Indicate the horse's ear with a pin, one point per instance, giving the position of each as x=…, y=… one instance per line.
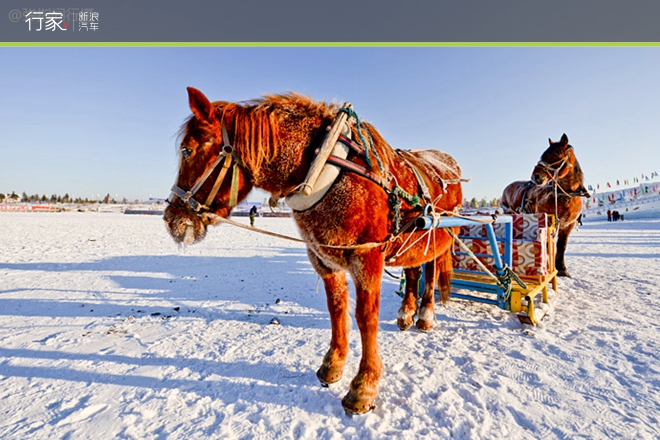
x=564, y=139
x=550, y=141
x=200, y=105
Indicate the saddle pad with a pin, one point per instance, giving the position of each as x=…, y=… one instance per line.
x=436, y=164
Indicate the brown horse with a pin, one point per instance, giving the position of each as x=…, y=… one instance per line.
x=556, y=187
x=270, y=144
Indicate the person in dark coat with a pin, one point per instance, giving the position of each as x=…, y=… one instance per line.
x=609, y=215
x=253, y=214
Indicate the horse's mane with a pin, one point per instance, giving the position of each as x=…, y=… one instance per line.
x=255, y=125
x=579, y=174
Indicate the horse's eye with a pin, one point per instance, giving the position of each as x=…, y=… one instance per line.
x=186, y=152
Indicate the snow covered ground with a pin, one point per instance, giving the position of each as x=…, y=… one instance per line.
x=108, y=331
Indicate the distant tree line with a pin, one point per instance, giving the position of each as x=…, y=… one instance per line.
x=54, y=198
x=483, y=203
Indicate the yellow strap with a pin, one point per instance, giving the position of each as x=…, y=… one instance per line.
x=233, y=195
x=218, y=181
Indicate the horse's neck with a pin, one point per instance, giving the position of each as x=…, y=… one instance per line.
x=281, y=172
x=570, y=183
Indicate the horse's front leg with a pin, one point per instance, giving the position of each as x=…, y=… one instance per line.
x=562, y=242
x=408, y=308
x=366, y=273
x=336, y=291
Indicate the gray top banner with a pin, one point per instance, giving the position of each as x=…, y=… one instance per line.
x=253, y=21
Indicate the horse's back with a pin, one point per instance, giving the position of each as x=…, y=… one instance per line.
x=512, y=196
x=437, y=163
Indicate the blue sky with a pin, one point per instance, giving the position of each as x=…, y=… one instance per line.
x=95, y=120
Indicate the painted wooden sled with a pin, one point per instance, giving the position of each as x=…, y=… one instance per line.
x=505, y=261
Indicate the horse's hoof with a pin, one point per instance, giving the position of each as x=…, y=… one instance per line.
x=357, y=405
x=563, y=273
x=424, y=326
x=327, y=375
x=403, y=325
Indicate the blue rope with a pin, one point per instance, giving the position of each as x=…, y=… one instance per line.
x=367, y=146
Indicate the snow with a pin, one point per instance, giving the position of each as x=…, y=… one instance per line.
x=107, y=330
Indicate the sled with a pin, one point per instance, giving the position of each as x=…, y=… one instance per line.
x=505, y=260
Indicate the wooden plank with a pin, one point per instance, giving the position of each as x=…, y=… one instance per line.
x=325, y=150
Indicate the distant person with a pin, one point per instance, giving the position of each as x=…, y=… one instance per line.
x=609, y=215
x=579, y=220
x=253, y=214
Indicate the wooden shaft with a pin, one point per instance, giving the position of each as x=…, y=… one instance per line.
x=325, y=150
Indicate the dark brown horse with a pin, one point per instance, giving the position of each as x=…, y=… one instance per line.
x=556, y=188
x=229, y=148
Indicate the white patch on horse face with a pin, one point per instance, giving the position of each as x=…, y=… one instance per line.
x=427, y=314
x=188, y=235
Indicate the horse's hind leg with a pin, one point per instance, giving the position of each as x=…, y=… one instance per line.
x=336, y=291
x=445, y=272
x=408, y=308
x=366, y=273
x=438, y=272
x=427, y=306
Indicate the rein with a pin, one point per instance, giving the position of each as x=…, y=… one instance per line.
x=370, y=245
x=226, y=153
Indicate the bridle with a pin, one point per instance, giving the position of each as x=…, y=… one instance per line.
x=553, y=169
x=226, y=155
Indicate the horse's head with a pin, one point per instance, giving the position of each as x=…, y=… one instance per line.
x=210, y=178
x=556, y=162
